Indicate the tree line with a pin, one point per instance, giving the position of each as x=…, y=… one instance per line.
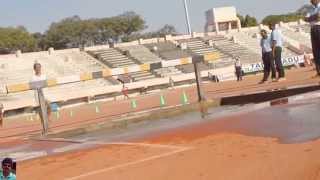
x=76, y=32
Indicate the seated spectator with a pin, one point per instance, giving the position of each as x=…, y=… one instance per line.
x=7, y=170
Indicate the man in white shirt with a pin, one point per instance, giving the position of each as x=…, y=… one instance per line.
x=276, y=45
x=38, y=76
x=313, y=18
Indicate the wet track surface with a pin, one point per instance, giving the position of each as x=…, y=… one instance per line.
x=297, y=122
x=292, y=123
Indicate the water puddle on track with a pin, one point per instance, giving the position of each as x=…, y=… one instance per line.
x=293, y=123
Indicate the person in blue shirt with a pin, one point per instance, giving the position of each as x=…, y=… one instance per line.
x=6, y=173
x=276, y=45
x=267, y=57
x=313, y=17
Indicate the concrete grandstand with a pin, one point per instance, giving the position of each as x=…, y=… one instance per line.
x=150, y=63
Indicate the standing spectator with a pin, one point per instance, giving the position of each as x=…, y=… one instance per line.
x=267, y=58
x=6, y=173
x=1, y=114
x=171, y=82
x=238, y=68
x=313, y=18
x=277, y=44
x=38, y=76
x=125, y=91
x=111, y=42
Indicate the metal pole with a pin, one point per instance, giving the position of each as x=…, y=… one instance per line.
x=187, y=17
x=43, y=111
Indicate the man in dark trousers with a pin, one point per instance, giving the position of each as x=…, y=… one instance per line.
x=267, y=57
x=238, y=68
x=277, y=44
x=313, y=18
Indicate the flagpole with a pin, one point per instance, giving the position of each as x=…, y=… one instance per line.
x=187, y=16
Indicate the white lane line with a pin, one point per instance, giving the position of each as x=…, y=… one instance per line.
x=22, y=156
x=136, y=144
x=86, y=175
x=69, y=148
x=88, y=144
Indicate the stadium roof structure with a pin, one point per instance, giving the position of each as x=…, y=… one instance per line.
x=226, y=16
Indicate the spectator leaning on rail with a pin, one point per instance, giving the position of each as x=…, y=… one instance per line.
x=267, y=58
x=276, y=45
x=313, y=17
x=6, y=173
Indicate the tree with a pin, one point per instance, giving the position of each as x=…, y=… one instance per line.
x=40, y=41
x=129, y=22
x=284, y=18
x=250, y=21
x=75, y=32
x=12, y=39
x=247, y=21
x=167, y=29
x=241, y=18
x=162, y=32
x=64, y=33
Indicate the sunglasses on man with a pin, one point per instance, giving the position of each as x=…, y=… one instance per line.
x=6, y=165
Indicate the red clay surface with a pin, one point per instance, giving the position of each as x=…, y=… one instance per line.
x=205, y=151
x=86, y=114
x=220, y=157
x=202, y=152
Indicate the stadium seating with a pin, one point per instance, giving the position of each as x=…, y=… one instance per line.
x=244, y=43
x=167, y=72
x=116, y=58
x=62, y=63
x=113, y=58
x=227, y=46
x=301, y=37
x=189, y=68
x=306, y=28
x=251, y=40
x=247, y=39
x=141, y=54
x=200, y=47
x=197, y=46
x=167, y=50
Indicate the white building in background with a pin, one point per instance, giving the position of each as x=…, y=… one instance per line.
x=222, y=19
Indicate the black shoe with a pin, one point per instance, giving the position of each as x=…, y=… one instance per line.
x=262, y=82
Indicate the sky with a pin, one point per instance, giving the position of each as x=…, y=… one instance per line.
x=37, y=15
